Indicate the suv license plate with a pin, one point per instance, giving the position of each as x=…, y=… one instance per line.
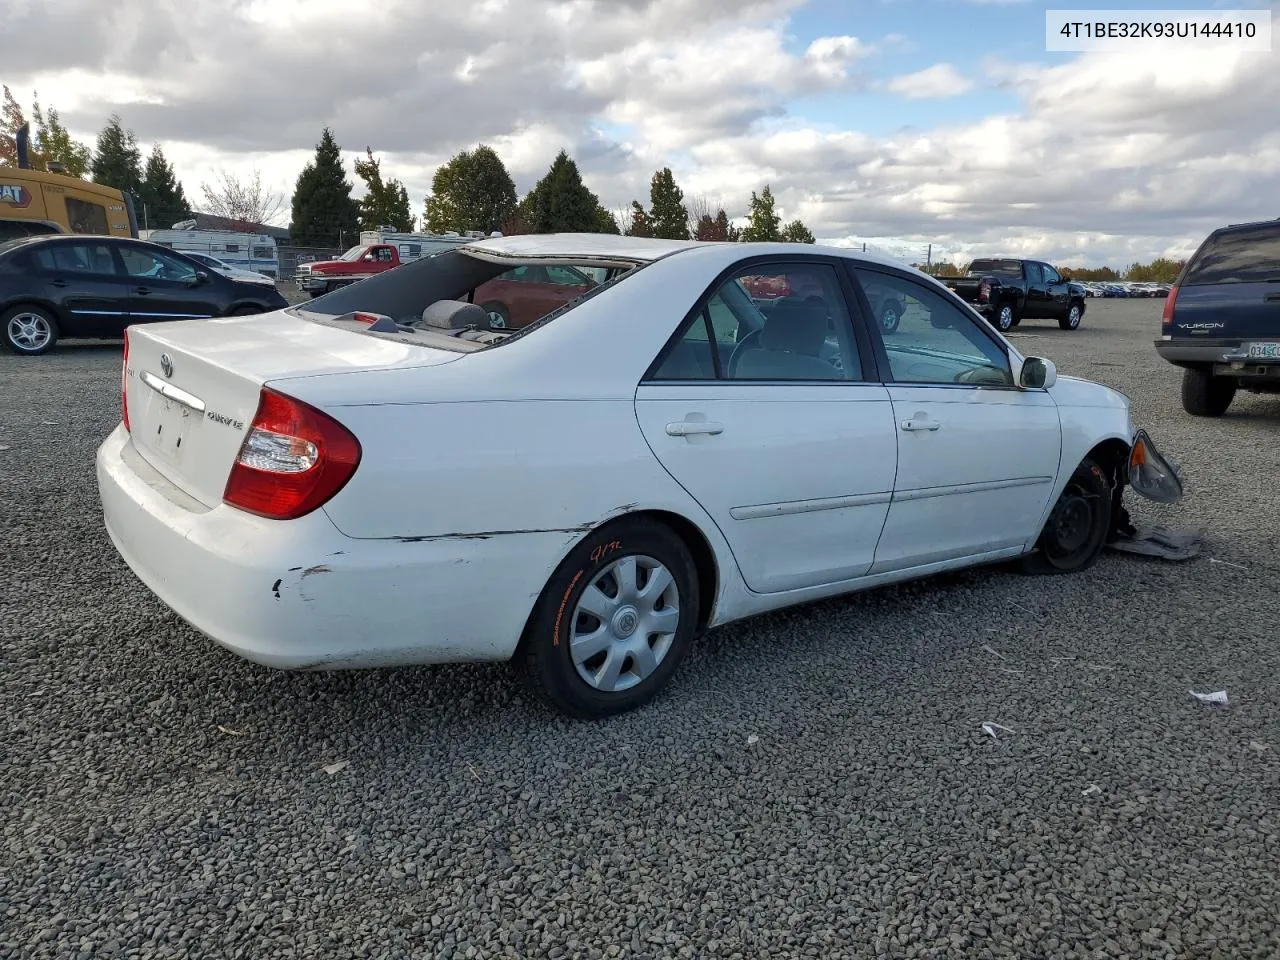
x=1264, y=351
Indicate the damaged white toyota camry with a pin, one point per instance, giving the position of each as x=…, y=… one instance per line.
x=711, y=431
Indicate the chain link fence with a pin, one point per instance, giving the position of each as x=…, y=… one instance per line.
x=290, y=256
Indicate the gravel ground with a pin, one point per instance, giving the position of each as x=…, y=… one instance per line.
x=815, y=783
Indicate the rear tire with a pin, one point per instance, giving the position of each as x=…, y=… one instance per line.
x=1204, y=395
x=614, y=650
x=1004, y=319
x=890, y=316
x=29, y=330
x=1076, y=531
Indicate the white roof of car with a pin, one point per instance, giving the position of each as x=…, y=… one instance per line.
x=608, y=248
x=578, y=246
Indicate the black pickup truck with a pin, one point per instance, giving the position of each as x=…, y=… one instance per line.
x=1007, y=292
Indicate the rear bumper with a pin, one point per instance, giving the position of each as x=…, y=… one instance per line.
x=301, y=595
x=1224, y=357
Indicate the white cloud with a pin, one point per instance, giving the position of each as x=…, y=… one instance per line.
x=1102, y=158
x=936, y=82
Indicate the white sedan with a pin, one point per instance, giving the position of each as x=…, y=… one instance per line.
x=723, y=429
x=227, y=270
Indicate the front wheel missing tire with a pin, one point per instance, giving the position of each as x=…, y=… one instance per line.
x=1076, y=531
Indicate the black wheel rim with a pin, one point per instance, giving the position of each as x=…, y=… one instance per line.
x=1072, y=531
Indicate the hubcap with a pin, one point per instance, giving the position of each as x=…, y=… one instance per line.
x=30, y=331
x=624, y=624
x=1073, y=318
x=1006, y=318
x=889, y=320
x=497, y=320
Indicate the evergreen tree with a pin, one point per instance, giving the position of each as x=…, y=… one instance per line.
x=117, y=161
x=640, y=223
x=670, y=218
x=561, y=203
x=473, y=191
x=11, y=121
x=324, y=215
x=726, y=229
x=54, y=144
x=715, y=228
x=385, y=203
x=797, y=232
x=605, y=221
x=763, y=224
x=162, y=202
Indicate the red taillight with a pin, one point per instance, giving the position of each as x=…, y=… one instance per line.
x=984, y=291
x=124, y=383
x=1166, y=318
x=293, y=460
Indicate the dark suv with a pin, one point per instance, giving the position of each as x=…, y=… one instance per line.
x=1221, y=320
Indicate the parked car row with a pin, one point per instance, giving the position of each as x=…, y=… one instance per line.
x=1124, y=289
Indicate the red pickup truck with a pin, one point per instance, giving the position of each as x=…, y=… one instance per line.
x=358, y=263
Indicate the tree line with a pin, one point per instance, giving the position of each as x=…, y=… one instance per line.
x=472, y=191
x=1159, y=270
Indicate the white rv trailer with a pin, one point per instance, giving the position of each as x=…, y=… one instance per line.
x=249, y=251
x=414, y=246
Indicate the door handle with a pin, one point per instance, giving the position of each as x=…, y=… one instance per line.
x=689, y=428
x=1272, y=298
x=58, y=283
x=143, y=291
x=919, y=423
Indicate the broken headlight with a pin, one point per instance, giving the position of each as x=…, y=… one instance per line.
x=1150, y=474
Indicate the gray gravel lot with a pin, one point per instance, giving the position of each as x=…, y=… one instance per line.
x=164, y=799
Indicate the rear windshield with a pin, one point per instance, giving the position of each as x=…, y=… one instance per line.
x=1237, y=256
x=532, y=294
x=997, y=268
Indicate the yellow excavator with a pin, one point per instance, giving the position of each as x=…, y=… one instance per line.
x=50, y=201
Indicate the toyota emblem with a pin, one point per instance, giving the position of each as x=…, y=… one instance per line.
x=166, y=365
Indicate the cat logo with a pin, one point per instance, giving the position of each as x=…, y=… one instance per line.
x=15, y=195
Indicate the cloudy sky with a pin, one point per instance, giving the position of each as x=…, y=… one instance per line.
x=898, y=122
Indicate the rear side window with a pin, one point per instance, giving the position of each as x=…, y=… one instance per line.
x=76, y=258
x=85, y=217
x=1238, y=256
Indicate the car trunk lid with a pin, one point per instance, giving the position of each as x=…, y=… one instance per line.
x=193, y=387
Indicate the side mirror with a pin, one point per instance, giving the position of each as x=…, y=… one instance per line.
x=198, y=278
x=1037, y=373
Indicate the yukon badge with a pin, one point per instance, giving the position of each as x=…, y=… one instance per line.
x=166, y=365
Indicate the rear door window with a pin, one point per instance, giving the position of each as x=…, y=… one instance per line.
x=83, y=258
x=1240, y=256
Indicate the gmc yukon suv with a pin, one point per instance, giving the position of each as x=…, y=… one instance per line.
x=1007, y=292
x=1221, y=320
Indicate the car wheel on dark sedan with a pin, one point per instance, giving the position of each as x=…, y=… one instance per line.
x=29, y=330
x=1072, y=320
x=1204, y=395
x=1074, y=534
x=614, y=620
